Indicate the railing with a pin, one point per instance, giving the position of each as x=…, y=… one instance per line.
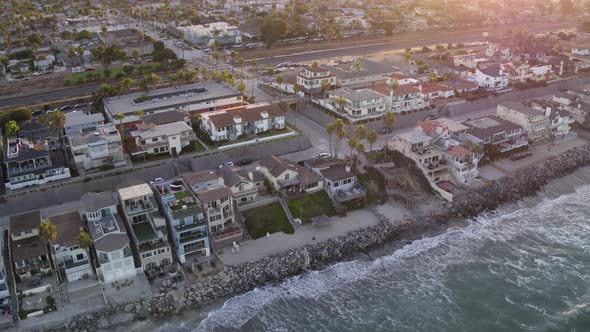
x=224, y=236
x=71, y=266
x=192, y=237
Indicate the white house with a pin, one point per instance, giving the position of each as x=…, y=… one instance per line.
x=400, y=79
x=580, y=51
x=206, y=34
x=357, y=104
x=462, y=163
x=97, y=148
x=404, y=98
x=430, y=91
x=491, y=77
x=248, y=121
x=114, y=259
x=311, y=78
x=78, y=121
x=168, y=138
x=287, y=175
x=44, y=63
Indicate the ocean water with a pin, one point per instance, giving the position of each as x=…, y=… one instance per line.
x=524, y=267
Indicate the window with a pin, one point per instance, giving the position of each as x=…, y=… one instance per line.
x=127, y=251
x=79, y=257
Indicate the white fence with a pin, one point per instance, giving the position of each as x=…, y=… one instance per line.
x=256, y=140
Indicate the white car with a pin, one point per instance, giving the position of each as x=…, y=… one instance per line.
x=323, y=155
x=77, y=70
x=36, y=73
x=156, y=180
x=227, y=163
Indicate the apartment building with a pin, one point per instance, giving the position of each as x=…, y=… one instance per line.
x=111, y=245
x=534, y=122
x=186, y=219
x=99, y=147
x=356, y=105
x=359, y=73
x=27, y=164
x=462, y=163
x=206, y=34
x=148, y=229
x=248, y=121
x=577, y=107
x=218, y=205
x=193, y=98
x=311, y=78
x=71, y=260
x=404, y=98
x=170, y=138
x=492, y=130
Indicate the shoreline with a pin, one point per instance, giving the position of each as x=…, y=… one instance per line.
x=237, y=280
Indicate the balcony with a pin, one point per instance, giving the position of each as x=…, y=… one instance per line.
x=71, y=266
x=187, y=227
x=140, y=206
x=228, y=232
x=289, y=182
x=192, y=237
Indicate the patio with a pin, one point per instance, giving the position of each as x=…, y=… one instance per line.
x=126, y=290
x=196, y=270
x=166, y=278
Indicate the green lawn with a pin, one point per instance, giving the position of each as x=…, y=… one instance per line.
x=268, y=218
x=310, y=206
x=98, y=74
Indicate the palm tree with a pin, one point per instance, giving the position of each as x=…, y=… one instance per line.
x=139, y=113
x=71, y=56
x=394, y=84
x=325, y=86
x=330, y=129
x=360, y=132
x=47, y=231
x=340, y=133
x=357, y=65
x=216, y=57
x=389, y=120
x=125, y=85
x=241, y=62
x=372, y=138
x=280, y=81
x=352, y=143
x=241, y=87
x=85, y=240
x=341, y=101
x=80, y=52
x=255, y=65
x=119, y=117
x=360, y=148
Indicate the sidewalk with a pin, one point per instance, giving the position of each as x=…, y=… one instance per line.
x=253, y=250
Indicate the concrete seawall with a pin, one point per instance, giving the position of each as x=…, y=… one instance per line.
x=234, y=280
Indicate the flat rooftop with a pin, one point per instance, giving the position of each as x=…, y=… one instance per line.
x=169, y=98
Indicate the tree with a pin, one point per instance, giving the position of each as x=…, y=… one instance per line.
x=280, y=81
x=71, y=55
x=135, y=54
x=325, y=87
x=47, y=231
x=272, y=29
x=352, y=143
x=340, y=132
x=360, y=132
x=4, y=61
x=85, y=240
x=80, y=52
x=394, y=84
x=125, y=85
x=241, y=62
x=330, y=129
x=341, y=101
x=139, y=113
x=241, y=87
x=372, y=138
x=297, y=88
x=11, y=128
x=216, y=57
x=360, y=148
x=389, y=120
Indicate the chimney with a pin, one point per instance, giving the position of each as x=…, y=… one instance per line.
x=250, y=176
x=45, y=146
x=547, y=111
x=347, y=168
x=420, y=87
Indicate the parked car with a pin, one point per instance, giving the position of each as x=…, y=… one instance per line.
x=77, y=69
x=323, y=155
x=88, y=69
x=156, y=180
x=66, y=108
x=385, y=130
x=244, y=162
x=36, y=73
x=227, y=163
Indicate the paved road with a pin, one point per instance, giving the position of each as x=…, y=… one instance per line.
x=470, y=36
x=363, y=50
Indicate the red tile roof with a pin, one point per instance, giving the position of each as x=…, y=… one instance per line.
x=458, y=151
x=429, y=127
x=430, y=87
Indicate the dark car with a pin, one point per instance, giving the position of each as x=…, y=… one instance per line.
x=244, y=162
x=385, y=130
